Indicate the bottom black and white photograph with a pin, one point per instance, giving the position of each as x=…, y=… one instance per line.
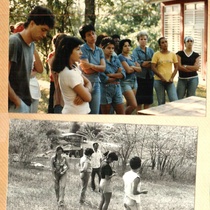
x=92, y=165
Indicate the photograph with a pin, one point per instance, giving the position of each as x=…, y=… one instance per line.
x=81, y=61
x=71, y=165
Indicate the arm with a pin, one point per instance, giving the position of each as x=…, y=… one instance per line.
x=187, y=68
x=174, y=72
x=117, y=75
x=52, y=167
x=90, y=68
x=128, y=69
x=82, y=92
x=38, y=67
x=154, y=69
x=84, y=167
x=11, y=93
x=135, y=186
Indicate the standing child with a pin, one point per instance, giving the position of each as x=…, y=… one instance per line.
x=132, y=183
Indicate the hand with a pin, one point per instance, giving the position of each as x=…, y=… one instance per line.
x=17, y=103
x=78, y=100
x=170, y=80
x=86, y=67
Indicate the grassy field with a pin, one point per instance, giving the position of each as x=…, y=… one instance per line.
x=32, y=189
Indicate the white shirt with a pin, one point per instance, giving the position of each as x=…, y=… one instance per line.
x=68, y=79
x=128, y=179
x=96, y=159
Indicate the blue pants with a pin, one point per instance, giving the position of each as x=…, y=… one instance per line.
x=96, y=98
x=161, y=87
x=187, y=87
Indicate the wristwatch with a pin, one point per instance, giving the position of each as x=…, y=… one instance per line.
x=185, y=66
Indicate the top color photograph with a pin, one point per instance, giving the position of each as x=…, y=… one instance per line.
x=140, y=58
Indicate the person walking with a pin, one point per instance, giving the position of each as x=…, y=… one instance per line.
x=161, y=64
x=59, y=165
x=188, y=65
x=21, y=57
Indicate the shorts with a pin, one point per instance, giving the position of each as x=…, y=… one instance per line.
x=105, y=186
x=130, y=84
x=111, y=94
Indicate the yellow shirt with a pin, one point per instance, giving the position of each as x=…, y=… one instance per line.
x=164, y=64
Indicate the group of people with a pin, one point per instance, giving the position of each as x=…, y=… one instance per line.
x=95, y=79
x=94, y=162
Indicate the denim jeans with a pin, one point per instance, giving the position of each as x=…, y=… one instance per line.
x=96, y=98
x=186, y=87
x=84, y=178
x=161, y=87
x=34, y=106
x=23, y=108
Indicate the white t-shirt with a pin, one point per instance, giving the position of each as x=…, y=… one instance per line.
x=68, y=79
x=96, y=159
x=128, y=179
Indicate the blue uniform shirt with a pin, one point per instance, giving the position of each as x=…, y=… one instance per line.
x=111, y=68
x=142, y=56
x=130, y=62
x=93, y=57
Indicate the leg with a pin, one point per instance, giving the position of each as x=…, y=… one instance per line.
x=102, y=201
x=131, y=101
x=192, y=86
x=107, y=198
x=171, y=90
x=105, y=108
x=85, y=178
x=52, y=90
x=62, y=186
x=119, y=108
x=96, y=98
x=93, y=173
x=181, y=88
x=56, y=186
x=160, y=91
x=34, y=106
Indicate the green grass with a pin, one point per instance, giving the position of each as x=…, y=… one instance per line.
x=33, y=189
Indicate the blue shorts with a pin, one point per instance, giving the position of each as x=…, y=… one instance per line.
x=130, y=84
x=111, y=94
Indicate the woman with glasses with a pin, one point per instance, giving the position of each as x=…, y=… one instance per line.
x=188, y=65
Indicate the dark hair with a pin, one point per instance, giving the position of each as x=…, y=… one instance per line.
x=59, y=148
x=106, y=41
x=112, y=155
x=159, y=40
x=57, y=38
x=84, y=29
x=63, y=52
x=99, y=39
x=122, y=42
x=89, y=151
x=135, y=162
x=114, y=36
x=41, y=16
x=95, y=143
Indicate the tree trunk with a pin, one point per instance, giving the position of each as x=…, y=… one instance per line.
x=90, y=12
